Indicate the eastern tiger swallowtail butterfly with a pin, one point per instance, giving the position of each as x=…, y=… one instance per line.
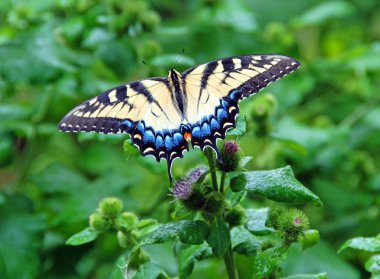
x=198, y=106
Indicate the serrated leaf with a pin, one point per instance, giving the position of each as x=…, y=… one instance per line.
x=256, y=219
x=191, y=232
x=240, y=128
x=370, y=244
x=85, y=236
x=219, y=236
x=278, y=185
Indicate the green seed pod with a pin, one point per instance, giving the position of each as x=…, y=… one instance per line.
x=110, y=207
x=98, y=222
x=127, y=220
x=235, y=216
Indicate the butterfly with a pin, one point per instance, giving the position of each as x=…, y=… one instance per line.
x=163, y=115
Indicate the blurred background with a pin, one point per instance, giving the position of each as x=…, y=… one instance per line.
x=323, y=120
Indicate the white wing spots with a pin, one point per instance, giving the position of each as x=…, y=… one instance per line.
x=149, y=149
x=237, y=63
x=267, y=66
x=112, y=96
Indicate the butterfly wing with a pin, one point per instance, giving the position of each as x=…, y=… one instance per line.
x=144, y=109
x=214, y=89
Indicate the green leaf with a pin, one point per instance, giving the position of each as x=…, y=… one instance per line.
x=240, y=128
x=189, y=255
x=85, y=236
x=370, y=244
x=191, y=232
x=307, y=276
x=309, y=238
x=278, y=185
x=324, y=12
x=256, y=219
x=149, y=271
x=219, y=237
x=373, y=264
x=243, y=242
x=267, y=262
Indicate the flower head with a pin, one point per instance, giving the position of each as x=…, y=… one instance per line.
x=231, y=147
x=182, y=189
x=229, y=157
x=194, y=174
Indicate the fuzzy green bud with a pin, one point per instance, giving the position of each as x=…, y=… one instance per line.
x=229, y=157
x=214, y=203
x=272, y=219
x=196, y=199
x=235, y=216
x=98, y=222
x=127, y=220
x=292, y=223
x=110, y=207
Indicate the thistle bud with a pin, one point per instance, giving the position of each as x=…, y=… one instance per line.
x=230, y=157
x=235, y=216
x=194, y=174
x=98, y=222
x=214, y=203
x=292, y=223
x=191, y=196
x=127, y=220
x=110, y=207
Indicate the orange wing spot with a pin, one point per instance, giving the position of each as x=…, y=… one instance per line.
x=187, y=136
x=137, y=136
x=231, y=109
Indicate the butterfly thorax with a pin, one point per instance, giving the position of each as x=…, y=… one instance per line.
x=176, y=87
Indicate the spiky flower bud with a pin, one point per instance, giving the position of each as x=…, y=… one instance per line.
x=292, y=223
x=98, y=222
x=230, y=157
x=272, y=219
x=110, y=207
x=214, y=203
x=127, y=220
x=235, y=216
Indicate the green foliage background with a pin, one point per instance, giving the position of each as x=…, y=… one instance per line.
x=56, y=53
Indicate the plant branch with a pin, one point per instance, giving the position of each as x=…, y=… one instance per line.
x=222, y=179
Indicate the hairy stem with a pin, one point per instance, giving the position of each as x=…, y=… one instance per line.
x=230, y=264
x=211, y=161
x=222, y=179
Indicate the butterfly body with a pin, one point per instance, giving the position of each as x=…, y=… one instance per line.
x=164, y=115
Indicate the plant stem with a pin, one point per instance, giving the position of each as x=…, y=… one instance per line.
x=211, y=161
x=230, y=264
x=222, y=179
